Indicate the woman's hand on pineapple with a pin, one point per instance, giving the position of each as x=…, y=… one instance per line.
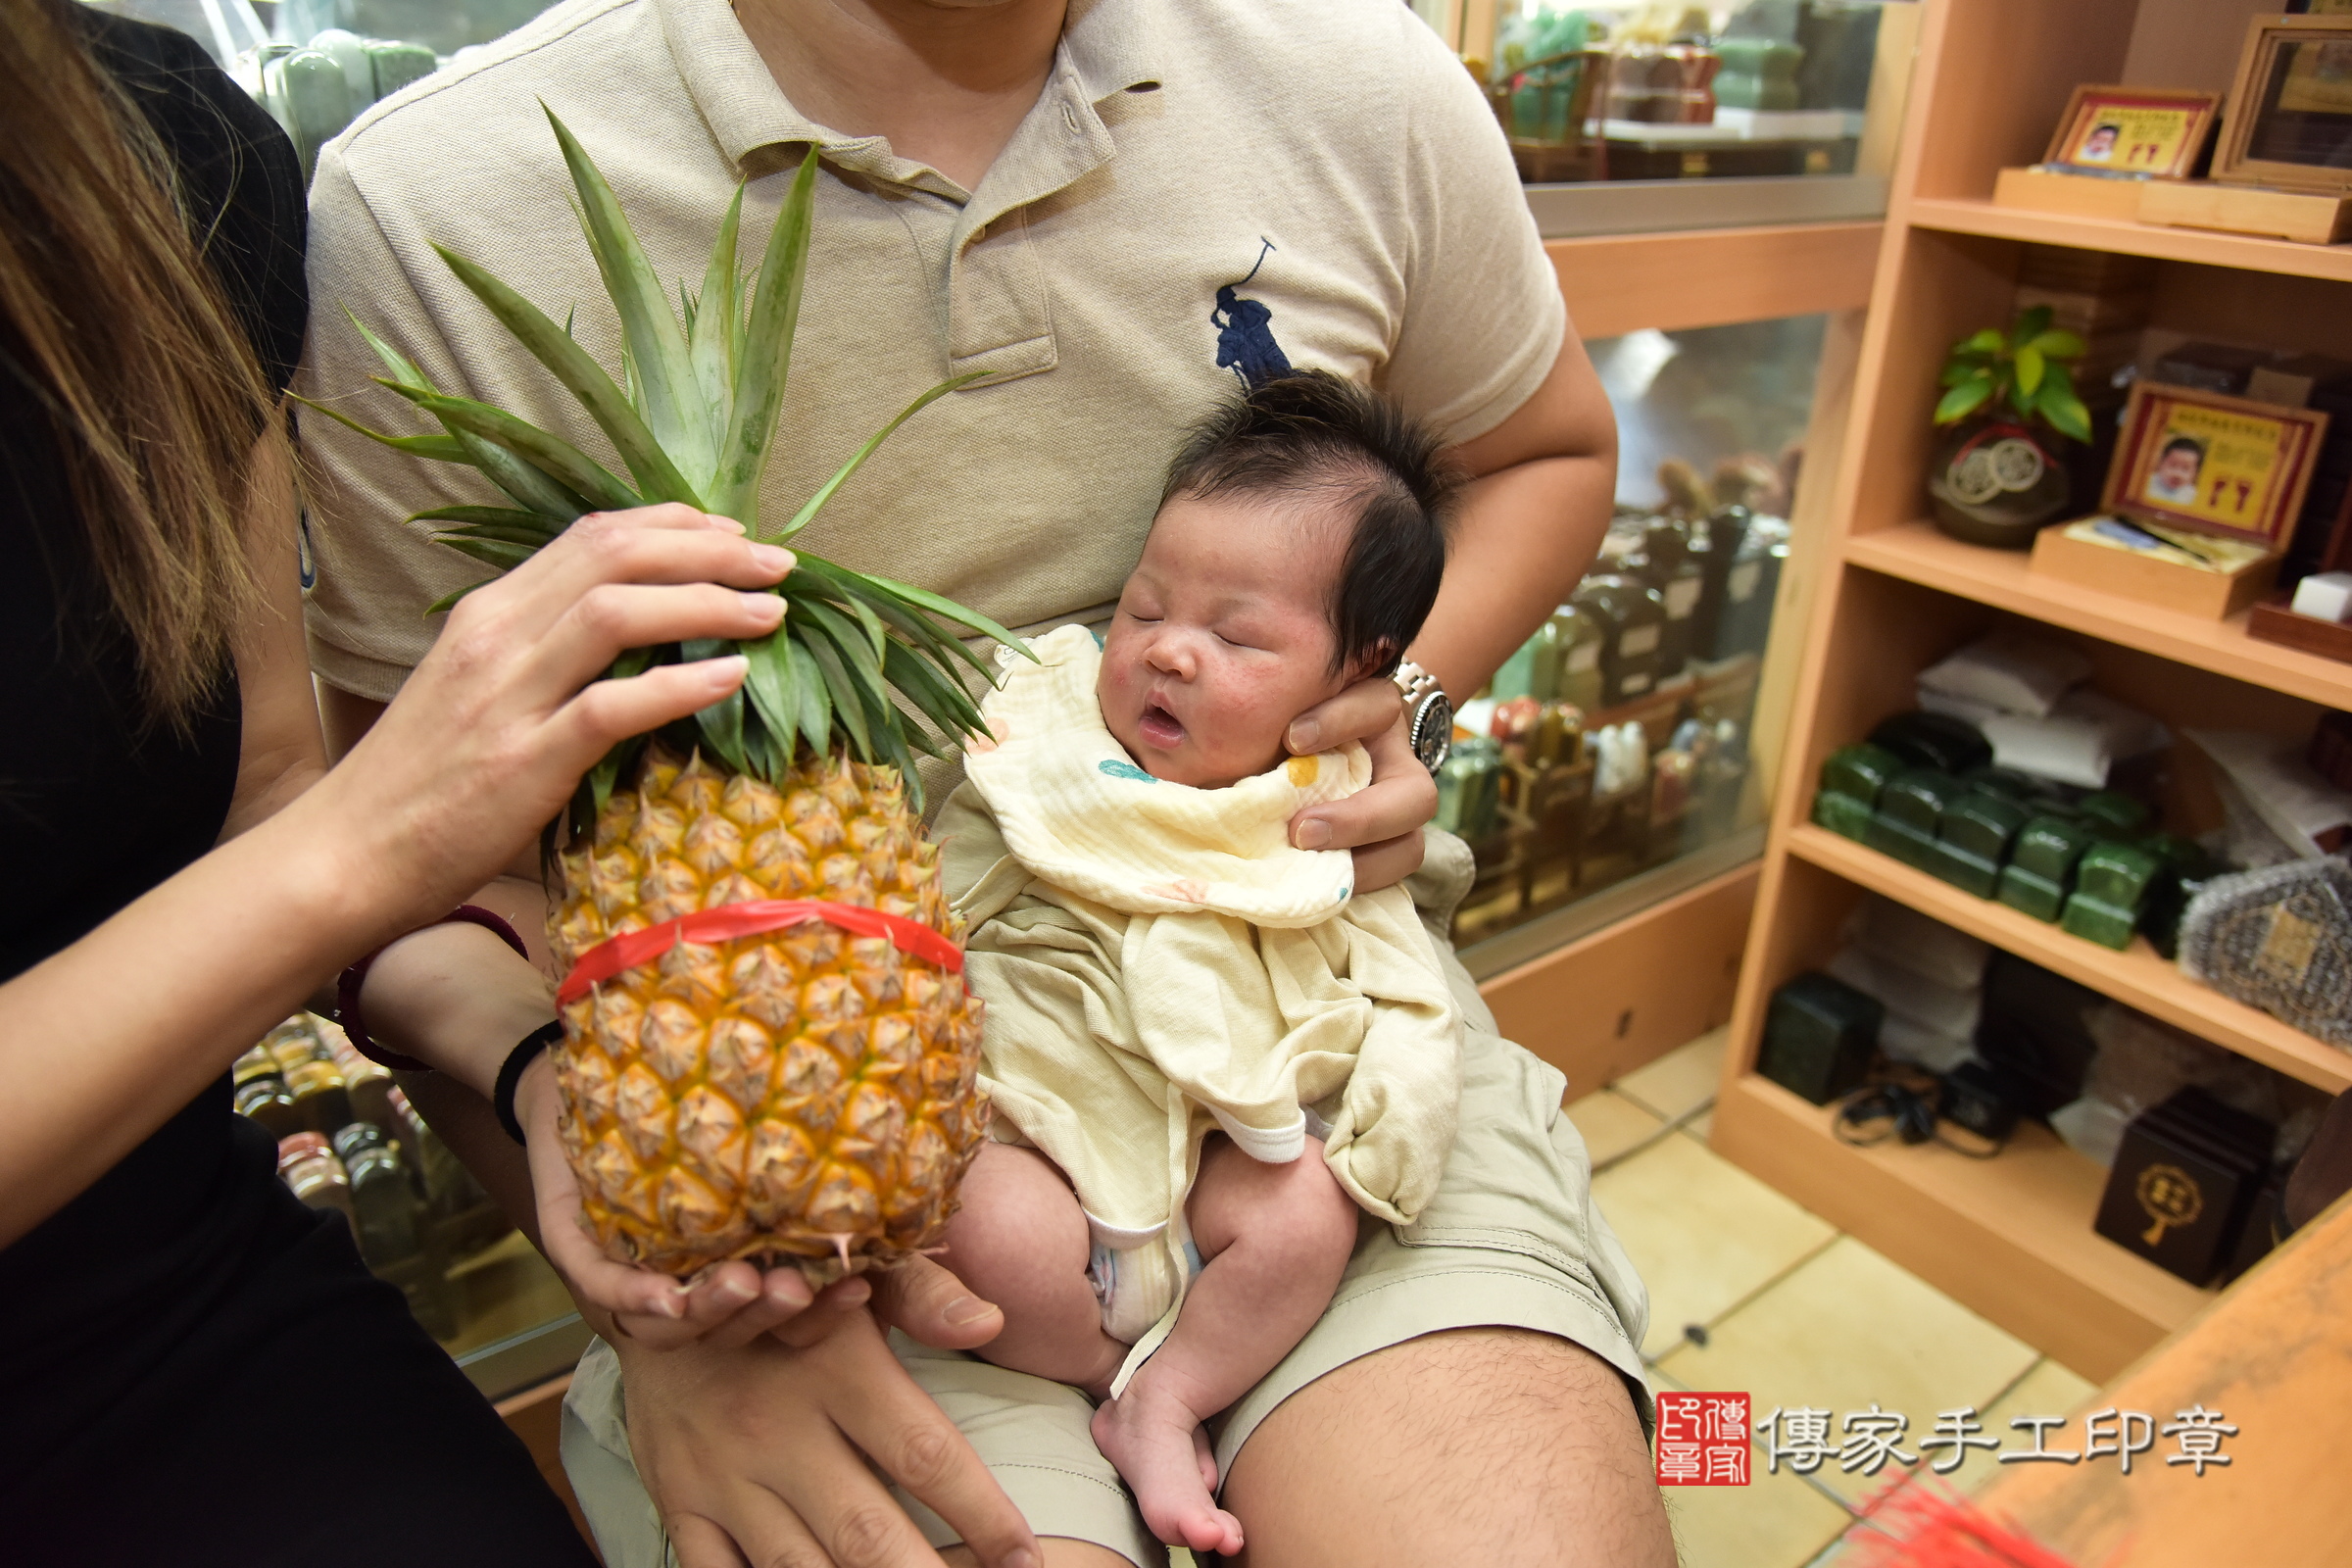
x=1382, y=821
x=493, y=730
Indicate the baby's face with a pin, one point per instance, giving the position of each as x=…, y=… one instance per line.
x=1223, y=636
x=2177, y=468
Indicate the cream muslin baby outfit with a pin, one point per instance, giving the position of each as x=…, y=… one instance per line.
x=1159, y=963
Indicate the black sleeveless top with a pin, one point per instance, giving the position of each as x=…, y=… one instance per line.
x=194, y=1368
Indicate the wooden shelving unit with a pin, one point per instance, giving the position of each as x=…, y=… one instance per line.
x=2010, y=1236
x=1918, y=552
x=2136, y=977
x=2243, y=252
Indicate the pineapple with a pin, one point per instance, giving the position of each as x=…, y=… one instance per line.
x=806, y=1090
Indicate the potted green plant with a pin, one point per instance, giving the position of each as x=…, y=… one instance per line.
x=2009, y=405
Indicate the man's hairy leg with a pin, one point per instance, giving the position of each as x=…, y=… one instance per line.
x=1502, y=1447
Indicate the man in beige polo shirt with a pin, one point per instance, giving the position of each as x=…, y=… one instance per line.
x=1117, y=211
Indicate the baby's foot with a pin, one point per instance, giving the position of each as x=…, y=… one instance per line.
x=1159, y=1447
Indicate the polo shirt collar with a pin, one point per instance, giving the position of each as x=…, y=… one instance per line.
x=1112, y=46
x=1108, y=46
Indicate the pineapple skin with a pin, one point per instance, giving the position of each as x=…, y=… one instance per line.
x=801, y=1095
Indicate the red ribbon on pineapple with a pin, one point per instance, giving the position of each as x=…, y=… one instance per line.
x=732, y=921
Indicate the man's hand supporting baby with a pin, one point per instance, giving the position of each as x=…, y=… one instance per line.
x=1382, y=821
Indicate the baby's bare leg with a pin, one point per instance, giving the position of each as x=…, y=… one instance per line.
x=1275, y=1240
x=1020, y=1240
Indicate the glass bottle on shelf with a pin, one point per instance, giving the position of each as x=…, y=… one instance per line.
x=1750, y=588
x=1469, y=787
x=1567, y=666
x=1723, y=532
x=306, y=1164
x=1635, y=614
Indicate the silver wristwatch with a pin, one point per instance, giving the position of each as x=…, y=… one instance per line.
x=1428, y=715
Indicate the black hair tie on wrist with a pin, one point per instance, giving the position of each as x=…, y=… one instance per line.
x=509, y=1076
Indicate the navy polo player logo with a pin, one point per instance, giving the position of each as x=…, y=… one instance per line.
x=1245, y=332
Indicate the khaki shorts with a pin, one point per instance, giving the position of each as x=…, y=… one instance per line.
x=1511, y=1241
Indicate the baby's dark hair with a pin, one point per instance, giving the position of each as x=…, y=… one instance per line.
x=1313, y=431
x=2183, y=443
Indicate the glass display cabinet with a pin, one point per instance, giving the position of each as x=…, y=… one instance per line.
x=1616, y=741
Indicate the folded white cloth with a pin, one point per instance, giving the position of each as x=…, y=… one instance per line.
x=1158, y=963
x=2009, y=668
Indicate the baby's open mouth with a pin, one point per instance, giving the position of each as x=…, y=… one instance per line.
x=1159, y=727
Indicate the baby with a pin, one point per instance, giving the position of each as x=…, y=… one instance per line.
x=1207, y=1057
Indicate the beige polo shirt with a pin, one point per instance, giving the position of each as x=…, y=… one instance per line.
x=1203, y=187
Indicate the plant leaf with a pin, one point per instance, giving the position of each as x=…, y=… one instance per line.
x=825, y=492
x=533, y=540
x=847, y=711
x=609, y=767
x=1963, y=399
x=499, y=553
x=658, y=478
x=2029, y=372
x=2029, y=326
x=1985, y=340
x=946, y=704
x=720, y=723
x=769, y=680
x=404, y=370
x=550, y=454
x=2058, y=344
x=439, y=448
x=523, y=484
x=492, y=516
x=1958, y=370
x=864, y=661
x=656, y=345
x=764, y=357
x=2059, y=404
x=448, y=600
x=949, y=610
x=711, y=334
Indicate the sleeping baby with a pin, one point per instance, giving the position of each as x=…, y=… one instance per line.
x=1208, y=1054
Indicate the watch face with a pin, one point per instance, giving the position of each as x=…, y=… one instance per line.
x=1432, y=730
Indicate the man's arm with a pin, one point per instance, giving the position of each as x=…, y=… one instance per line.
x=1531, y=521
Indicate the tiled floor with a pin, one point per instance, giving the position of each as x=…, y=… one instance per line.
x=1750, y=1292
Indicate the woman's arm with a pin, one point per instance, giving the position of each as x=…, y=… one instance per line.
x=1531, y=521
x=484, y=746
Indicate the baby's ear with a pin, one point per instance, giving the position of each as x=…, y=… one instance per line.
x=1370, y=662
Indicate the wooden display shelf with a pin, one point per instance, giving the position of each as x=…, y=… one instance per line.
x=2009, y=1236
x=2205, y=247
x=1616, y=283
x=1918, y=553
x=2136, y=977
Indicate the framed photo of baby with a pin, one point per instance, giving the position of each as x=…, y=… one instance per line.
x=2147, y=131
x=2214, y=464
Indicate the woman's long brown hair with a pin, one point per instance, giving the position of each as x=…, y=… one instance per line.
x=154, y=390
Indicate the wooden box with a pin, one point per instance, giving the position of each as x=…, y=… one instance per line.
x=2311, y=217
x=2274, y=621
x=2049, y=190
x=2062, y=551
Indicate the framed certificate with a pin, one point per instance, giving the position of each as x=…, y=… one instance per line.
x=2150, y=132
x=2289, y=124
x=2210, y=464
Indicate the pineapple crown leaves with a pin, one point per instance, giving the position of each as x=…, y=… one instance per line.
x=2022, y=370
x=693, y=420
